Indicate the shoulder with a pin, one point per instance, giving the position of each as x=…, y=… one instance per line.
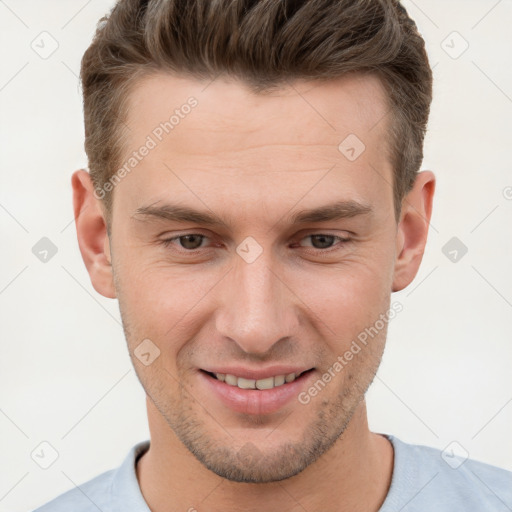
x=427, y=478
x=116, y=489
x=90, y=496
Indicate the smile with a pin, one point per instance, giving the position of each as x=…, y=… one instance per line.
x=251, y=391
x=267, y=383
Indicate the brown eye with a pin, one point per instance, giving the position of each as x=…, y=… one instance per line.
x=324, y=241
x=189, y=242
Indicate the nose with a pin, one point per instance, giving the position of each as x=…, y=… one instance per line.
x=257, y=308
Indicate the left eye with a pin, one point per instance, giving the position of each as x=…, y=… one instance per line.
x=193, y=241
x=324, y=239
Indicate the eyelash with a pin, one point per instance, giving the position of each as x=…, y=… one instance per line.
x=342, y=241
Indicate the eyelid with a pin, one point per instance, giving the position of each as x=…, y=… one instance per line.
x=342, y=240
x=169, y=241
x=338, y=237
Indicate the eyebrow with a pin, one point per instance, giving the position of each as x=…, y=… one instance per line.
x=179, y=213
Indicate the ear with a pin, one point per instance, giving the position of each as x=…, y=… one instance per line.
x=92, y=234
x=413, y=229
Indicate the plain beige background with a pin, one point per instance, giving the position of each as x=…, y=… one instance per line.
x=65, y=375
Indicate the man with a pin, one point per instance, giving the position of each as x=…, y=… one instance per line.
x=252, y=202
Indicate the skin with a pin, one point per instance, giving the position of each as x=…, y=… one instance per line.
x=254, y=160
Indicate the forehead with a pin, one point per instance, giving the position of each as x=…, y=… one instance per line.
x=327, y=109
x=218, y=139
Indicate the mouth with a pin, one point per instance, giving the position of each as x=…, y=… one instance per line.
x=261, y=384
x=254, y=392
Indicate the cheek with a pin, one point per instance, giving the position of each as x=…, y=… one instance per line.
x=165, y=300
x=346, y=298
x=164, y=303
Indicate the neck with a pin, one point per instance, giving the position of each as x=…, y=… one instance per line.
x=355, y=474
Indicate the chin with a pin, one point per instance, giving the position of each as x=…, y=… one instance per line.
x=258, y=461
x=250, y=465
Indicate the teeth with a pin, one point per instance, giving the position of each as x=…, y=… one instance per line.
x=279, y=380
x=246, y=383
x=231, y=380
x=265, y=383
x=268, y=383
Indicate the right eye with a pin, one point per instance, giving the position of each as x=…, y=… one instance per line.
x=189, y=242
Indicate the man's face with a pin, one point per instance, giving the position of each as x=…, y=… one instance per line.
x=257, y=296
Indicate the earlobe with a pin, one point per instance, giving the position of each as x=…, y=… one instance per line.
x=92, y=234
x=413, y=230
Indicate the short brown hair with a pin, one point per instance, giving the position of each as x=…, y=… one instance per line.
x=264, y=43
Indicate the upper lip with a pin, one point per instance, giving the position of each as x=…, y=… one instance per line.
x=257, y=374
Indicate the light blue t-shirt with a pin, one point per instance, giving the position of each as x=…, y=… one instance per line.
x=422, y=481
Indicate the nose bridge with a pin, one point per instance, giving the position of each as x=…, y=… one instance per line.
x=253, y=311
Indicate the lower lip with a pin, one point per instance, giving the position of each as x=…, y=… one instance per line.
x=255, y=401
